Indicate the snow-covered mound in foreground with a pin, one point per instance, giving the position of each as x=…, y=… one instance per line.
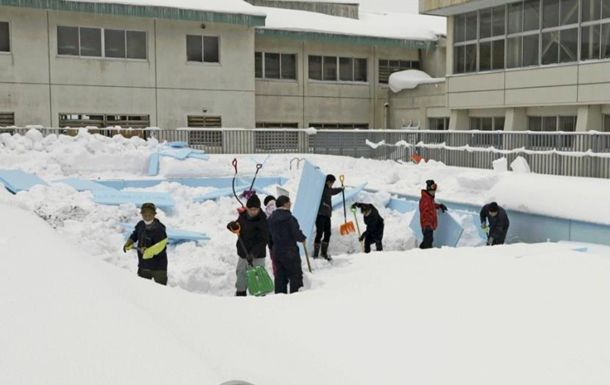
x=520, y=314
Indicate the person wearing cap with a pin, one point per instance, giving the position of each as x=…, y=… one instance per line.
x=285, y=237
x=427, y=214
x=323, y=222
x=374, y=226
x=151, y=239
x=498, y=223
x=252, y=249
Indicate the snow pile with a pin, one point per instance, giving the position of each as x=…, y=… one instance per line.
x=410, y=79
x=500, y=165
x=222, y=6
x=427, y=317
x=520, y=166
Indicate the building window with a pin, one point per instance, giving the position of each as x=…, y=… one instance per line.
x=276, y=125
x=275, y=66
x=487, y=124
x=438, y=124
x=88, y=42
x=388, y=67
x=333, y=68
x=552, y=123
x=5, y=38
x=202, y=49
x=606, y=123
x=7, y=119
x=210, y=138
x=103, y=120
x=340, y=126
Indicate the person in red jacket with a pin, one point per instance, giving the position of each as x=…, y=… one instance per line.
x=427, y=214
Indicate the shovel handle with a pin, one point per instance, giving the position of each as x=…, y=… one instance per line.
x=342, y=179
x=234, y=163
x=307, y=255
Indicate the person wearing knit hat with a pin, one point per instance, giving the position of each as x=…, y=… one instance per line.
x=323, y=220
x=427, y=213
x=252, y=248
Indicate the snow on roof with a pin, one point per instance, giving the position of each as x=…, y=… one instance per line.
x=383, y=25
x=221, y=6
x=410, y=79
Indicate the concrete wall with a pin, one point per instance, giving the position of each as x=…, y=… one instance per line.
x=414, y=107
x=333, y=9
x=305, y=101
x=38, y=85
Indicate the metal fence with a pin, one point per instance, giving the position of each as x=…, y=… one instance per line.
x=585, y=154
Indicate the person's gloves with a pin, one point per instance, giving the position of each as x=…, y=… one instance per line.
x=443, y=207
x=355, y=205
x=250, y=259
x=128, y=246
x=233, y=226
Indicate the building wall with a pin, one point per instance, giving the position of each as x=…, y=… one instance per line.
x=164, y=86
x=414, y=107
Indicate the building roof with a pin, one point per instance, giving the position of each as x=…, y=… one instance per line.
x=391, y=29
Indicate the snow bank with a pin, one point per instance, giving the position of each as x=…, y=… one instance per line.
x=520, y=166
x=500, y=165
x=410, y=79
x=429, y=317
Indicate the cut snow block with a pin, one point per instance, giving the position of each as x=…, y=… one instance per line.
x=17, y=180
x=308, y=200
x=115, y=198
x=84, y=185
x=228, y=191
x=199, y=156
x=177, y=144
x=174, y=235
x=153, y=164
x=402, y=205
x=350, y=194
x=180, y=154
x=448, y=232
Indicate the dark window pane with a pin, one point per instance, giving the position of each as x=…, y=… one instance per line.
x=384, y=71
x=550, y=47
x=486, y=124
x=91, y=42
x=567, y=123
x=5, y=41
x=590, y=42
x=515, y=18
x=458, y=60
x=550, y=13
x=258, y=65
x=471, y=26
x=605, y=48
x=605, y=9
x=114, y=43
x=549, y=123
x=485, y=56
x=569, y=45
x=514, y=52
x=315, y=67
x=499, y=23
x=405, y=65
x=499, y=124
x=272, y=65
x=136, y=45
x=194, y=48
x=330, y=68
x=360, y=70
x=415, y=65
x=498, y=54
x=531, y=15
x=459, y=28
x=535, y=123
x=475, y=123
x=569, y=12
x=471, y=58
x=289, y=66
x=211, y=50
x=530, y=50
x=591, y=10
x=606, y=123
x=67, y=41
x=346, y=69
x=394, y=66
x=485, y=24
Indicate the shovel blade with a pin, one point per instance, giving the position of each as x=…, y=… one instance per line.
x=347, y=228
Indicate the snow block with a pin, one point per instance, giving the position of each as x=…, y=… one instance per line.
x=178, y=153
x=199, y=156
x=350, y=194
x=153, y=164
x=115, y=198
x=448, y=232
x=17, y=180
x=177, y=144
x=402, y=206
x=174, y=235
x=308, y=200
x=84, y=185
x=228, y=191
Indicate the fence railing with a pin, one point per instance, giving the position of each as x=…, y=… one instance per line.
x=585, y=154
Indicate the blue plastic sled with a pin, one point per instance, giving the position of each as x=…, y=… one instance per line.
x=115, y=198
x=308, y=199
x=174, y=236
x=350, y=194
x=17, y=180
x=448, y=232
x=84, y=185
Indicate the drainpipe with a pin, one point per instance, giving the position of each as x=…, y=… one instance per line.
x=386, y=115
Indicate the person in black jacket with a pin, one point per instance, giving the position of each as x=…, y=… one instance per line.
x=151, y=238
x=285, y=236
x=374, y=227
x=498, y=223
x=254, y=235
x=323, y=223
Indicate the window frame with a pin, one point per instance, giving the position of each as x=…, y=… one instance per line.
x=103, y=44
x=445, y=120
x=400, y=61
x=339, y=126
x=10, y=39
x=104, y=121
x=203, y=62
x=281, y=78
x=493, y=123
x=338, y=80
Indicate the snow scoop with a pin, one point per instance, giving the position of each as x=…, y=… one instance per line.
x=347, y=227
x=353, y=209
x=258, y=280
x=306, y=255
x=233, y=183
x=248, y=193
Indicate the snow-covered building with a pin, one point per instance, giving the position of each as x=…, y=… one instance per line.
x=205, y=63
x=539, y=65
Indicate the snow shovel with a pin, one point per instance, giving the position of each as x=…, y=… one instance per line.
x=347, y=227
x=233, y=183
x=258, y=280
x=353, y=209
x=306, y=255
x=248, y=193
